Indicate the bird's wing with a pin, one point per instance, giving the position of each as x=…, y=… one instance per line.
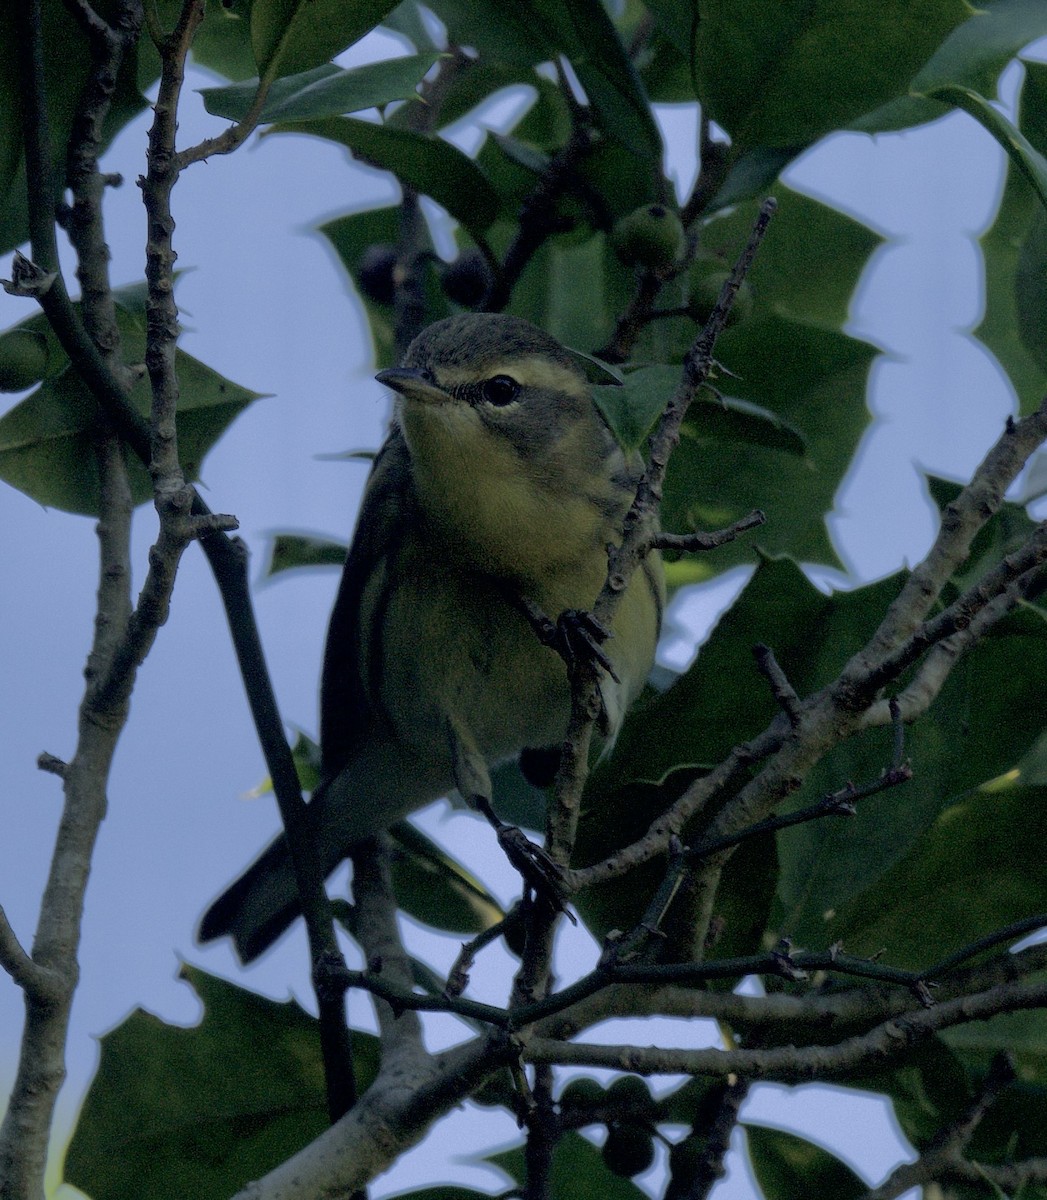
x=347, y=707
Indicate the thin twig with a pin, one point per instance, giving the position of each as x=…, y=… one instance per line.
x=961, y=521
x=692, y=543
x=782, y=690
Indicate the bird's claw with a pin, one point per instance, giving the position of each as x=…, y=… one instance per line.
x=579, y=639
x=537, y=868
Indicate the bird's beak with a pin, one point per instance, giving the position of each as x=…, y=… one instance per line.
x=413, y=384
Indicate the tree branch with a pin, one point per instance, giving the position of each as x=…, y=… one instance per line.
x=792, y=1064
x=391, y=1117
x=50, y=982
x=961, y=521
x=377, y=932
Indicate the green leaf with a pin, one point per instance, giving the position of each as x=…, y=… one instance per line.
x=45, y=441
x=515, y=799
x=784, y=75
x=858, y=879
x=1022, y=1035
x=1005, y=327
x=448, y=1192
x=406, y=20
x=975, y=53
x=814, y=381
x=435, y=889
x=293, y=551
x=791, y=359
x=291, y=36
x=1030, y=290
x=586, y=34
x=23, y=359
x=788, y=1167
x=677, y=22
x=426, y=164
x=223, y=41
x=325, y=91
x=927, y=1085
x=501, y=32
x=534, y=31
x=935, y=900
x=809, y=263
x=10, y=106
x=176, y=1112
x=633, y=409
x=578, y=1171
x=67, y=63
x=973, y=56
x=1014, y=1128
x=1029, y=161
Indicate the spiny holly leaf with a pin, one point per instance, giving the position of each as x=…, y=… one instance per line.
x=973, y=56
x=46, y=440
x=932, y=902
x=353, y=237
x=586, y=34
x=1014, y=295
x=783, y=75
x=435, y=889
x=176, y=1112
x=633, y=408
x=1025, y=157
x=835, y=881
x=294, y=551
x=1022, y=1035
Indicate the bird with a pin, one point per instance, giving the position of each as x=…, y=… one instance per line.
x=496, y=492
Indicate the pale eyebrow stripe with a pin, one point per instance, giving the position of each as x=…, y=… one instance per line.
x=531, y=372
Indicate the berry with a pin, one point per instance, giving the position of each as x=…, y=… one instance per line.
x=375, y=274
x=468, y=279
x=651, y=236
x=628, y=1151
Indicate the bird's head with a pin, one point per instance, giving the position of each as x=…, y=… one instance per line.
x=509, y=454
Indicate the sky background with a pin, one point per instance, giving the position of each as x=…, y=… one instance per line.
x=266, y=303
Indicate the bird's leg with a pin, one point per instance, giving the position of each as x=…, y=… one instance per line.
x=471, y=777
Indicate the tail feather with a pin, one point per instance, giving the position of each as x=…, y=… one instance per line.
x=256, y=909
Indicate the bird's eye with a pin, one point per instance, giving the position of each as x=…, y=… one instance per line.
x=500, y=390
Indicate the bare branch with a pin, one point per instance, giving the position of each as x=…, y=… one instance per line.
x=792, y=1063
x=692, y=543
x=782, y=690
x=51, y=977
x=377, y=932
x=32, y=979
x=961, y=521
x=712, y=1139
x=390, y=1118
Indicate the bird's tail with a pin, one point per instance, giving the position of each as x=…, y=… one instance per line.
x=256, y=909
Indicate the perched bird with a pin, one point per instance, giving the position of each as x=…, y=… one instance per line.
x=499, y=484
